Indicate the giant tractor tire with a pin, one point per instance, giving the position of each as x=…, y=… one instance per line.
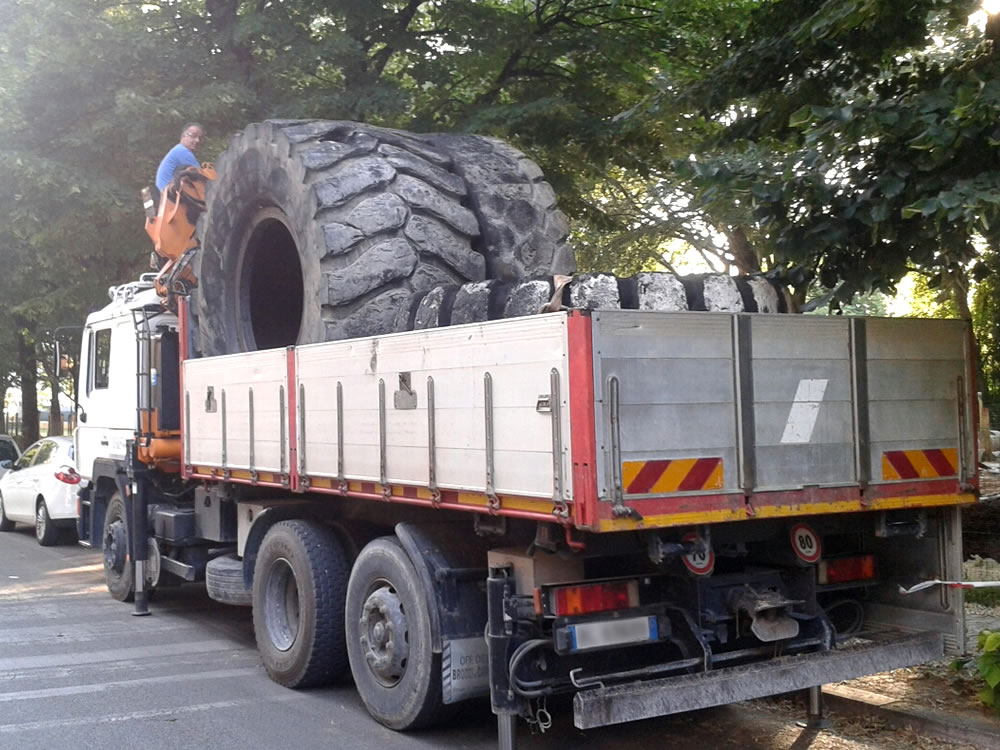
x=321, y=230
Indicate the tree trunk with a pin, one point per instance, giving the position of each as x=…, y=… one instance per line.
x=55, y=412
x=28, y=365
x=52, y=375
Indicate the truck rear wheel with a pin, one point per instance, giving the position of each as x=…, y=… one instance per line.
x=117, y=567
x=299, y=585
x=395, y=669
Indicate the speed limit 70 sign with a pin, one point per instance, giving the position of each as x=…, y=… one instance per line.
x=806, y=543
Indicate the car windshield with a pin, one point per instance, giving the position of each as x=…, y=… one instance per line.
x=46, y=453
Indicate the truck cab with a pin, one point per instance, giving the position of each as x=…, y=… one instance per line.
x=111, y=364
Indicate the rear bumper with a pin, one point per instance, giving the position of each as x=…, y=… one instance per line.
x=643, y=700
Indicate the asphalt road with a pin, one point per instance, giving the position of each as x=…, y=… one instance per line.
x=78, y=670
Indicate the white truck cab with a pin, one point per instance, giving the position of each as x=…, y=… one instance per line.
x=108, y=366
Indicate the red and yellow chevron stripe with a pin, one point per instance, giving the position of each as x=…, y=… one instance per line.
x=919, y=464
x=671, y=475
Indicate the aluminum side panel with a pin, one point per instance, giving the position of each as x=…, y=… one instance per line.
x=918, y=380
x=676, y=391
x=217, y=391
x=519, y=356
x=803, y=402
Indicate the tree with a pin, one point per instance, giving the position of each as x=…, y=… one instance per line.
x=857, y=147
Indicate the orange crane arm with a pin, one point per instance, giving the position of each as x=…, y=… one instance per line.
x=171, y=227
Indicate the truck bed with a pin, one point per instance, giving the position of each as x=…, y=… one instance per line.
x=606, y=421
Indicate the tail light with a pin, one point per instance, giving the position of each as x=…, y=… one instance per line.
x=594, y=597
x=68, y=475
x=845, y=569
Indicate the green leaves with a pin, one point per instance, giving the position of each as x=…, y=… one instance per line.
x=988, y=664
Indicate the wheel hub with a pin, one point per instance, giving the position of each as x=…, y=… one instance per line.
x=40, y=521
x=281, y=605
x=385, y=635
x=115, y=545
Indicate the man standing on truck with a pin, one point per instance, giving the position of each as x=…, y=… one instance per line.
x=181, y=155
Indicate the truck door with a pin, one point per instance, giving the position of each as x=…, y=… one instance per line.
x=107, y=392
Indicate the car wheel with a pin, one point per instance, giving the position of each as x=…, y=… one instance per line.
x=45, y=531
x=5, y=523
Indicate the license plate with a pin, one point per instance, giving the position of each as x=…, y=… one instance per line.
x=613, y=633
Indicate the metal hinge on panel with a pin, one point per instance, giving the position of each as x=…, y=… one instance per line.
x=251, y=437
x=283, y=439
x=405, y=397
x=304, y=481
x=963, y=464
x=382, y=443
x=560, y=510
x=226, y=474
x=492, y=499
x=617, y=483
x=341, y=479
x=187, y=430
x=432, y=446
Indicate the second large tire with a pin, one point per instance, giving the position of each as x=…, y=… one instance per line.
x=299, y=587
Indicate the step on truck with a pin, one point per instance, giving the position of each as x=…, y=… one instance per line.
x=649, y=507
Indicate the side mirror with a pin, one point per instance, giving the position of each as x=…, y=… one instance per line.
x=62, y=364
x=6, y=464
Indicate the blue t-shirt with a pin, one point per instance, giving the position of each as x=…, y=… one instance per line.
x=179, y=156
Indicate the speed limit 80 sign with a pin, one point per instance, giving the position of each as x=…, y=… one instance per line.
x=806, y=543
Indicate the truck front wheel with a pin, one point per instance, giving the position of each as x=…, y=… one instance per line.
x=389, y=639
x=117, y=566
x=299, y=585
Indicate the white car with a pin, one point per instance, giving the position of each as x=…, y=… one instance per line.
x=41, y=488
x=9, y=453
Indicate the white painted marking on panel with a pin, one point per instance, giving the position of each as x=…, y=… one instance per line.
x=805, y=409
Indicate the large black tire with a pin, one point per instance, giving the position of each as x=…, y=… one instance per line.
x=396, y=671
x=494, y=299
x=45, y=531
x=320, y=230
x=523, y=233
x=225, y=583
x=118, y=573
x=299, y=587
x=5, y=523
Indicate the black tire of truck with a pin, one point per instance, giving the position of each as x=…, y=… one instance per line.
x=396, y=672
x=523, y=233
x=320, y=230
x=225, y=583
x=299, y=588
x=648, y=290
x=118, y=573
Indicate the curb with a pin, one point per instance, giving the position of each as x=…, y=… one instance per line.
x=981, y=732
